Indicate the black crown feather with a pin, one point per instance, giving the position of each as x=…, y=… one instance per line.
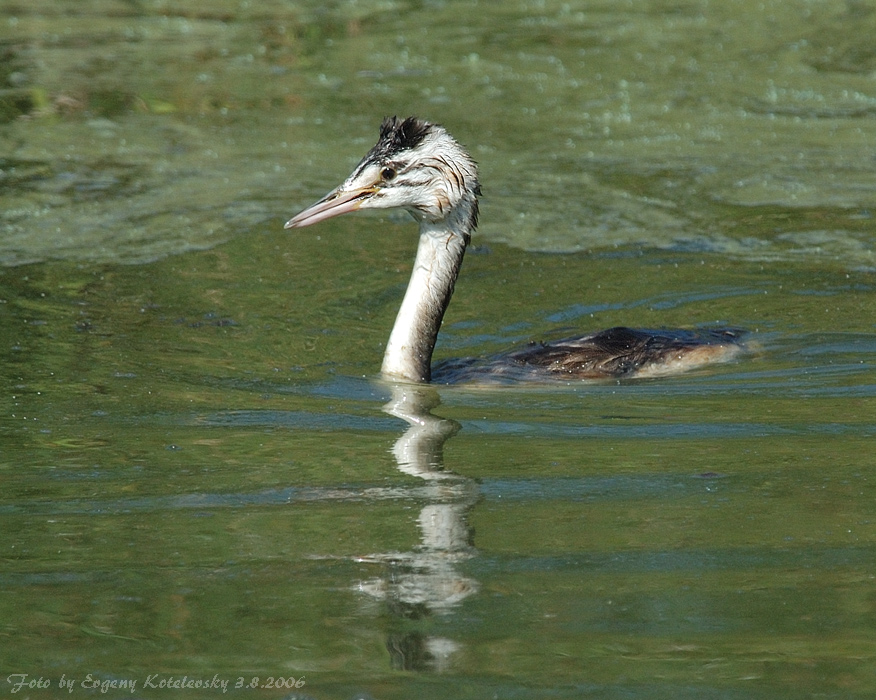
x=397, y=135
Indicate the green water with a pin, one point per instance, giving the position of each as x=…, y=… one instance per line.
x=200, y=477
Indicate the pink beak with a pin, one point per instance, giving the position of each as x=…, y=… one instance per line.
x=335, y=203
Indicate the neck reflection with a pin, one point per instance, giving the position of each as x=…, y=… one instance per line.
x=424, y=582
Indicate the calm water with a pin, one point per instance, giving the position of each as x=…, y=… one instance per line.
x=203, y=477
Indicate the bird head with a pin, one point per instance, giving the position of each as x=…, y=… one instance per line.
x=415, y=165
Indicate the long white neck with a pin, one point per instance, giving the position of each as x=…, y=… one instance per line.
x=439, y=256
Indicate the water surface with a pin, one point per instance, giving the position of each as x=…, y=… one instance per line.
x=203, y=475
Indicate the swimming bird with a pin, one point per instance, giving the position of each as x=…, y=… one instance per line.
x=418, y=166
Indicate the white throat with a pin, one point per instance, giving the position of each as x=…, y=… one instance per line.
x=408, y=354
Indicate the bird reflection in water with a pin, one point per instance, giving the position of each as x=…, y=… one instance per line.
x=424, y=582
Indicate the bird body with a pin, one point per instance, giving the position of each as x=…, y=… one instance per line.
x=418, y=166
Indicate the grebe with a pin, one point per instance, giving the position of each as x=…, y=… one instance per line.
x=418, y=166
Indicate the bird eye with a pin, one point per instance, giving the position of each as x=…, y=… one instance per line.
x=387, y=174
